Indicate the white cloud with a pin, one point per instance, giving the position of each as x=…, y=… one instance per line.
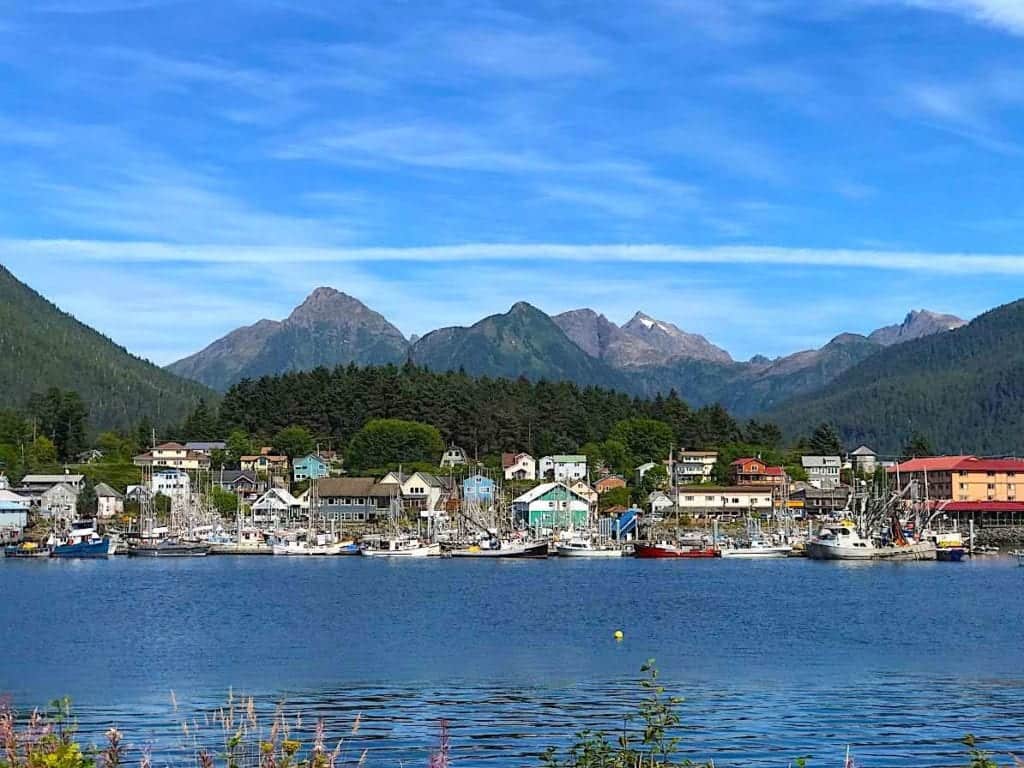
x=1007, y=15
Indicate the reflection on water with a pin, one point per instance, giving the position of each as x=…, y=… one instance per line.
x=776, y=659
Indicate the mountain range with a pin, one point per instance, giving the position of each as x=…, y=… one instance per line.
x=643, y=357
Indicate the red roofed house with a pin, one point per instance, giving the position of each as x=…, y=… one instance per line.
x=749, y=471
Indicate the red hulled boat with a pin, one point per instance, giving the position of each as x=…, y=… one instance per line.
x=650, y=551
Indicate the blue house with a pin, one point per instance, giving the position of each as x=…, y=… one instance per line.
x=478, y=489
x=310, y=467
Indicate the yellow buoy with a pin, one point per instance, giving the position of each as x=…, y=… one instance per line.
x=618, y=634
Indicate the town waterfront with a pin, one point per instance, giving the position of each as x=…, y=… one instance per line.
x=776, y=658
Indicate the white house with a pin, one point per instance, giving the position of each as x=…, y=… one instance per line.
x=59, y=501
x=519, y=466
x=420, y=491
x=694, y=466
x=10, y=499
x=658, y=502
x=643, y=469
x=822, y=471
x=865, y=460
x=276, y=504
x=172, y=483
x=564, y=468
x=109, y=503
x=453, y=457
x=733, y=500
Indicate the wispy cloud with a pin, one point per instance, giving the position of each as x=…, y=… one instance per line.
x=1007, y=15
x=141, y=252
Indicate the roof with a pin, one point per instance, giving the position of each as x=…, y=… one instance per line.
x=959, y=464
x=352, y=486
x=697, y=454
x=768, y=470
x=60, y=487
x=537, y=491
x=284, y=496
x=568, y=458
x=12, y=497
x=104, y=490
x=313, y=457
x=610, y=479
x=170, y=447
x=510, y=459
x=820, y=461
x=984, y=506
x=51, y=479
x=211, y=445
x=646, y=466
x=863, y=451
x=269, y=457
x=231, y=476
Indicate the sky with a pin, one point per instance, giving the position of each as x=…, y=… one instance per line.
x=768, y=173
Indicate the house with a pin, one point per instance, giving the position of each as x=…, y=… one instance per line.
x=643, y=469
x=355, y=499
x=90, y=456
x=551, y=505
x=609, y=483
x=694, y=466
x=753, y=471
x=60, y=501
x=311, y=467
x=137, y=494
x=813, y=501
x=658, y=502
x=519, y=466
x=564, y=468
x=40, y=483
x=276, y=504
x=8, y=497
x=580, y=487
x=864, y=460
x=13, y=519
x=421, y=491
x=970, y=483
x=478, y=490
x=206, y=447
x=172, y=483
x=109, y=503
x=245, y=484
x=731, y=500
x=453, y=457
x=822, y=471
x=173, y=456
x=267, y=463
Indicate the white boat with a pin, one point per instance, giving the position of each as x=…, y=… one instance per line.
x=842, y=541
x=300, y=545
x=403, y=546
x=758, y=549
x=580, y=547
x=1019, y=554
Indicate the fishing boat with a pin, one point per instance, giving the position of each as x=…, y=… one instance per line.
x=667, y=550
x=582, y=547
x=842, y=541
x=301, y=544
x=949, y=545
x=758, y=549
x=246, y=541
x=402, y=546
x=82, y=540
x=498, y=548
x=169, y=547
x=27, y=550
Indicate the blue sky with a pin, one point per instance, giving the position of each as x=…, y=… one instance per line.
x=768, y=173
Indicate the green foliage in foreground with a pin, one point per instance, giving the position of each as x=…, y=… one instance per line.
x=234, y=736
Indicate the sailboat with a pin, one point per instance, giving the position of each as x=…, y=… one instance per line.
x=161, y=542
x=755, y=546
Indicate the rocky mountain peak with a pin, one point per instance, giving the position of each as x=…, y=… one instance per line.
x=673, y=342
x=917, y=324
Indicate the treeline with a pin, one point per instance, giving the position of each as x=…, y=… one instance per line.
x=482, y=415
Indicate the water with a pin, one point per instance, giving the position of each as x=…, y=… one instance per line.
x=776, y=658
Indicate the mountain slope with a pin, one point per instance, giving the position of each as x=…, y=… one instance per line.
x=916, y=325
x=963, y=389
x=329, y=328
x=41, y=347
x=522, y=342
x=673, y=342
x=599, y=337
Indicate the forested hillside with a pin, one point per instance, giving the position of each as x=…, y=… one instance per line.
x=42, y=347
x=962, y=390
x=484, y=416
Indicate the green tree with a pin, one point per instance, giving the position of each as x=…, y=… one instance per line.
x=387, y=442
x=85, y=504
x=225, y=502
x=654, y=479
x=294, y=442
x=645, y=439
x=763, y=433
x=61, y=416
x=824, y=441
x=239, y=444
x=201, y=424
x=616, y=497
x=42, y=453
x=917, y=445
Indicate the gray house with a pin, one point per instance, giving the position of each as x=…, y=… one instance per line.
x=822, y=471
